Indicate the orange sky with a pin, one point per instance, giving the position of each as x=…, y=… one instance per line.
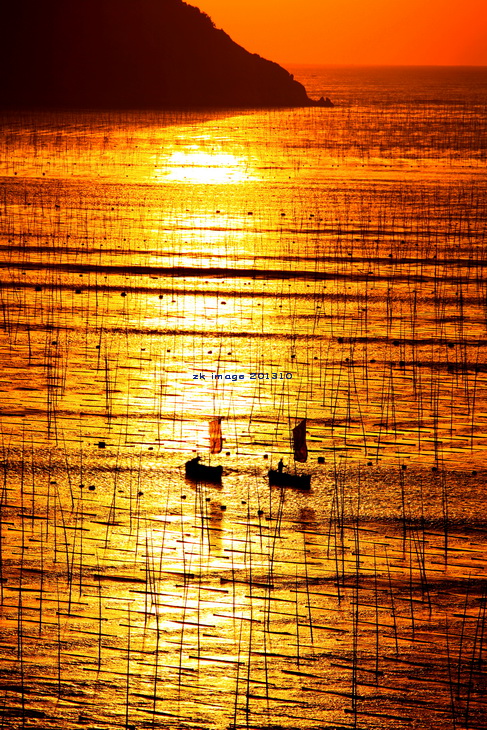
x=423, y=32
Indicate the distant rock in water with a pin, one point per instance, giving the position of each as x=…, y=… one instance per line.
x=325, y=102
x=130, y=54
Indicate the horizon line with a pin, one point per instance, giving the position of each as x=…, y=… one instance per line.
x=382, y=65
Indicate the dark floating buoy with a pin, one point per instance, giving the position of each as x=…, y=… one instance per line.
x=260, y=512
x=321, y=459
x=91, y=487
x=101, y=444
x=223, y=507
x=265, y=456
x=123, y=294
x=140, y=494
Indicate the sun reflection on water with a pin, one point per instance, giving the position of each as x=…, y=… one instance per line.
x=194, y=166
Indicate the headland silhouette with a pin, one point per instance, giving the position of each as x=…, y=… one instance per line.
x=152, y=54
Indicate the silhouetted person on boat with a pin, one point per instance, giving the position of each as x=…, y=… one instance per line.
x=280, y=466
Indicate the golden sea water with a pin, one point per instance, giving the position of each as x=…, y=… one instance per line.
x=326, y=264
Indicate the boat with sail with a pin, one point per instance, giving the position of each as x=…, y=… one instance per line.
x=280, y=478
x=196, y=471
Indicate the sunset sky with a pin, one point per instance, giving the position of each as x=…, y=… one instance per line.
x=422, y=32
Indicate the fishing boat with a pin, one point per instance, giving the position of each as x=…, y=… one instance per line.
x=280, y=478
x=286, y=479
x=197, y=472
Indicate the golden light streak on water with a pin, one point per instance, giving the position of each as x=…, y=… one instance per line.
x=194, y=166
x=340, y=248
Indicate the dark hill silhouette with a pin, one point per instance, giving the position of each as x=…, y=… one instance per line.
x=130, y=54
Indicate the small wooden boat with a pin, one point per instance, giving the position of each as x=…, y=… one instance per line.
x=280, y=478
x=286, y=479
x=197, y=472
